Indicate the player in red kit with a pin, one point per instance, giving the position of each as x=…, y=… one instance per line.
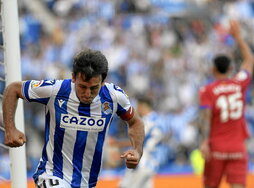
x=222, y=121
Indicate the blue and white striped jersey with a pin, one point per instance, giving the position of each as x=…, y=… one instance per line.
x=155, y=152
x=75, y=132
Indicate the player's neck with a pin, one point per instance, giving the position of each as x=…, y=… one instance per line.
x=221, y=76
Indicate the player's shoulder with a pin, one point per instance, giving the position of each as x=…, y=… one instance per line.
x=40, y=83
x=241, y=76
x=205, y=87
x=113, y=88
x=50, y=84
x=210, y=82
x=47, y=82
x=115, y=91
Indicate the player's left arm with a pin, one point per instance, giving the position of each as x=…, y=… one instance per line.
x=204, y=120
x=204, y=125
x=136, y=134
x=136, y=130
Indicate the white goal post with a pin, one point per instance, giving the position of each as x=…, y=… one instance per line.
x=10, y=19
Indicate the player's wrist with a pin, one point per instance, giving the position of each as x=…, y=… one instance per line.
x=9, y=129
x=138, y=151
x=238, y=38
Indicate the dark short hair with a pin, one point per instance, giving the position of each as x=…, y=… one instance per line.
x=222, y=63
x=90, y=63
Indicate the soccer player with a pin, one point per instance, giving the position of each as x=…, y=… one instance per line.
x=224, y=129
x=154, y=153
x=78, y=113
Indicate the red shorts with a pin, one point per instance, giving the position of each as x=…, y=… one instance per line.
x=234, y=169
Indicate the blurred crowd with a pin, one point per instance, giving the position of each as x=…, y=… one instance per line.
x=158, y=48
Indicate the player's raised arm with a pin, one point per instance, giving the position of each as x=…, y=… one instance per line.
x=13, y=137
x=248, y=59
x=136, y=135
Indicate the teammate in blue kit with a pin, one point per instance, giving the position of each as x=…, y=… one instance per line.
x=78, y=114
x=155, y=148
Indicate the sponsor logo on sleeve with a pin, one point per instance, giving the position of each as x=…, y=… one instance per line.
x=82, y=123
x=36, y=83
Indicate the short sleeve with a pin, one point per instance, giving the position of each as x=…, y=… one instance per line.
x=124, y=108
x=38, y=91
x=243, y=77
x=204, y=98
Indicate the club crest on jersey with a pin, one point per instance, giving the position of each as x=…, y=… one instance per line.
x=36, y=83
x=106, y=109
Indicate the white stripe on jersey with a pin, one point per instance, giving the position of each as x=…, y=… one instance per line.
x=69, y=142
x=90, y=148
x=50, y=144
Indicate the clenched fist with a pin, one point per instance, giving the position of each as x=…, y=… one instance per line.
x=14, y=138
x=132, y=158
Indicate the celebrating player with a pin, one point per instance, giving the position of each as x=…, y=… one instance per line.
x=78, y=114
x=222, y=119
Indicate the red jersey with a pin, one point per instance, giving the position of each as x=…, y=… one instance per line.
x=226, y=99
